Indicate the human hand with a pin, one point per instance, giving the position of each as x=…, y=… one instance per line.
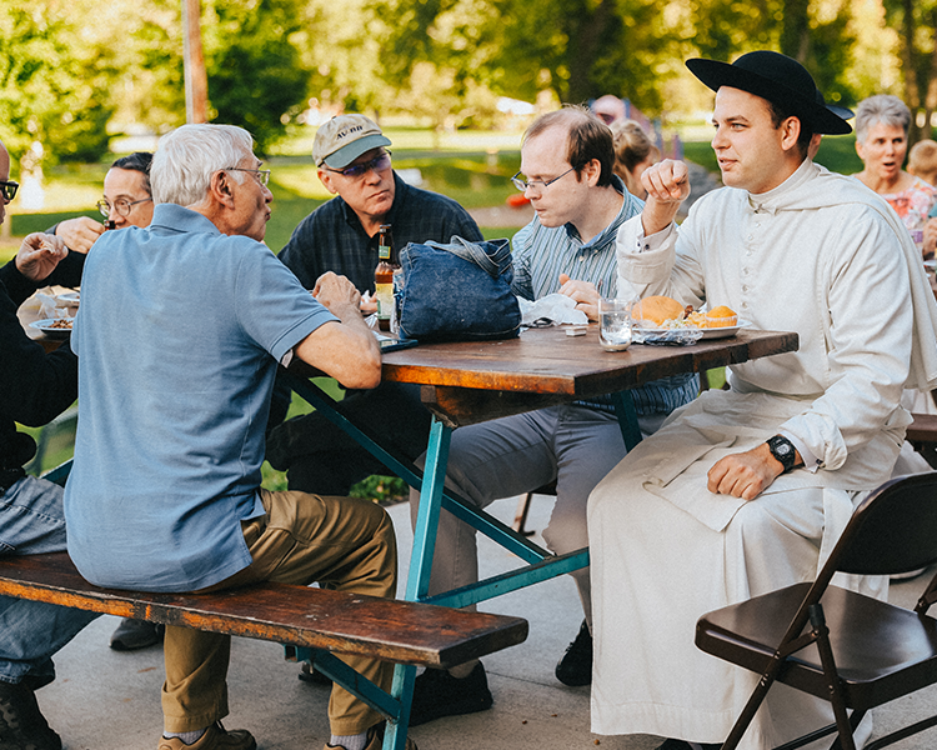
x=337, y=293
x=583, y=293
x=745, y=475
x=930, y=237
x=79, y=234
x=368, y=304
x=39, y=255
x=668, y=185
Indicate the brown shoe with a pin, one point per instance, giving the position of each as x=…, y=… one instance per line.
x=215, y=738
x=375, y=740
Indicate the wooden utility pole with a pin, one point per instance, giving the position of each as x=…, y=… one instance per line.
x=196, y=80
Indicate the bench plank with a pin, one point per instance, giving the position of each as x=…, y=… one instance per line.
x=391, y=630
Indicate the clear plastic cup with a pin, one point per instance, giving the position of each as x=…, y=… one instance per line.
x=615, y=324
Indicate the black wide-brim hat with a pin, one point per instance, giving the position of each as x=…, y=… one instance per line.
x=779, y=79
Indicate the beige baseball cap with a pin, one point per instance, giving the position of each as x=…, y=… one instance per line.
x=344, y=138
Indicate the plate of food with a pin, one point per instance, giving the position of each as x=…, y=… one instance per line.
x=722, y=332
x=55, y=328
x=664, y=320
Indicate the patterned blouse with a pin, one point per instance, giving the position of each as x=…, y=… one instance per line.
x=912, y=205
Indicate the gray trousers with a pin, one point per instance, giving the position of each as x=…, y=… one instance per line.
x=575, y=445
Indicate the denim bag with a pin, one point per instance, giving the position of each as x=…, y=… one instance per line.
x=459, y=291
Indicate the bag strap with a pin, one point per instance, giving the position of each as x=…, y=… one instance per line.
x=492, y=256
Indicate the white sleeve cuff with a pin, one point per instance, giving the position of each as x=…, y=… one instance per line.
x=811, y=462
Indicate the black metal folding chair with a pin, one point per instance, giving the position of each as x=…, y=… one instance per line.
x=850, y=649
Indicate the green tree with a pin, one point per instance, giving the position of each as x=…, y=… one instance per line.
x=255, y=75
x=53, y=92
x=916, y=23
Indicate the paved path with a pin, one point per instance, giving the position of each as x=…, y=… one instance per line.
x=108, y=700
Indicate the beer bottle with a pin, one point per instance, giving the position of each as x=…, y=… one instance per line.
x=384, y=275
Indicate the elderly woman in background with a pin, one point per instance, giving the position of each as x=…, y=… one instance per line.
x=882, y=143
x=634, y=153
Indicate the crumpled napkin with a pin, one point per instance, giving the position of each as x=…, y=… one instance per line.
x=552, y=310
x=49, y=306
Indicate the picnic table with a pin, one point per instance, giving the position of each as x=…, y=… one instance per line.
x=466, y=383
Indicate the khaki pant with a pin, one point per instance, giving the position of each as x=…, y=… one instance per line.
x=342, y=543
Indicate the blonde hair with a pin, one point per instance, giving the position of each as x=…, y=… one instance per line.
x=632, y=147
x=922, y=161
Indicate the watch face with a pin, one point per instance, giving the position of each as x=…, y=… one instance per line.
x=783, y=449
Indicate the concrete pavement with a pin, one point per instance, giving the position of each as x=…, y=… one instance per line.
x=107, y=700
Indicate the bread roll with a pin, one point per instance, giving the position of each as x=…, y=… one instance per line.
x=652, y=312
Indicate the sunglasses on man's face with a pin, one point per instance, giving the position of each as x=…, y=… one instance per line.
x=378, y=164
x=8, y=189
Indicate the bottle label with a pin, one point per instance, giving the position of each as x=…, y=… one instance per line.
x=385, y=300
x=383, y=252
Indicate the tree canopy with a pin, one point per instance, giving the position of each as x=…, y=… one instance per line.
x=77, y=72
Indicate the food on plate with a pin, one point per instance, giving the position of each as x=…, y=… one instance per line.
x=654, y=312
x=721, y=317
x=664, y=312
x=65, y=323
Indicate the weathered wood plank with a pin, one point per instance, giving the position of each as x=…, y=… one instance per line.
x=346, y=623
x=465, y=383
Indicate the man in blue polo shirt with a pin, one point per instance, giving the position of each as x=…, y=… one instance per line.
x=354, y=164
x=181, y=327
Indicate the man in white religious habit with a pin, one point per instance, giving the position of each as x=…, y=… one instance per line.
x=744, y=491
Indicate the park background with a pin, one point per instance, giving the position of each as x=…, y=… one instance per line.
x=453, y=82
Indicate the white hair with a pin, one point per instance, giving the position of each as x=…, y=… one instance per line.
x=187, y=158
x=882, y=108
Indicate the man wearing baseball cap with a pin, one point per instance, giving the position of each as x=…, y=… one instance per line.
x=354, y=164
x=744, y=491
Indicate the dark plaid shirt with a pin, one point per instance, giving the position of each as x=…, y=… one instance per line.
x=331, y=238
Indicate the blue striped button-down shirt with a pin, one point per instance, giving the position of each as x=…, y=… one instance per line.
x=541, y=254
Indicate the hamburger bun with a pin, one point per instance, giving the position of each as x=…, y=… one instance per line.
x=652, y=312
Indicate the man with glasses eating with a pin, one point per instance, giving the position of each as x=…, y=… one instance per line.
x=127, y=202
x=354, y=164
x=568, y=248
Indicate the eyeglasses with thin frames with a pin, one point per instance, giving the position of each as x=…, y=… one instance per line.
x=8, y=189
x=263, y=175
x=378, y=164
x=521, y=184
x=121, y=206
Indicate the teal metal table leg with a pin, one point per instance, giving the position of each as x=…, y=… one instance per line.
x=402, y=690
x=424, y=535
x=627, y=418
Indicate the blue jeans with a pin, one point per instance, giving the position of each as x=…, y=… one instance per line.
x=32, y=522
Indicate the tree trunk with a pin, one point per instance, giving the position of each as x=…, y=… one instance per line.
x=795, y=32
x=912, y=92
x=584, y=46
x=196, y=79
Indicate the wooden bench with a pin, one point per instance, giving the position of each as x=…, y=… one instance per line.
x=300, y=617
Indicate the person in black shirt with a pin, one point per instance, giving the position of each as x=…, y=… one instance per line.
x=341, y=236
x=34, y=388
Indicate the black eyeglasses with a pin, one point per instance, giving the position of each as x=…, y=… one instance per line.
x=378, y=163
x=8, y=189
x=521, y=184
x=121, y=206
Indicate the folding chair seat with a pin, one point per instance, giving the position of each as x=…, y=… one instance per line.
x=835, y=644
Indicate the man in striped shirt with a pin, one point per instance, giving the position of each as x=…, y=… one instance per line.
x=569, y=248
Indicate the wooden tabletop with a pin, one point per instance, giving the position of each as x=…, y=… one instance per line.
x=468, y=382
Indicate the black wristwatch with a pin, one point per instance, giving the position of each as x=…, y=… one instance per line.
x=783, y=450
